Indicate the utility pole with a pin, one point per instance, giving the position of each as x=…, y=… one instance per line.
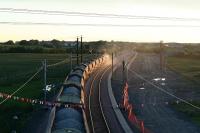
x=77, y=58
x=71, y=61
x=161, y=56
x=81, y=49
x=165, y=57
x=112, y=64
x=45, y=78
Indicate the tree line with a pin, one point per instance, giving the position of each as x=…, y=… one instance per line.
x=53, y=46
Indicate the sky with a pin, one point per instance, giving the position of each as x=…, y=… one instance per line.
x=161, y=8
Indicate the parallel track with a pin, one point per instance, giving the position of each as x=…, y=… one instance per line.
x=97, y=117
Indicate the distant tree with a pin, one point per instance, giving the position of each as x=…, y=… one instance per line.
x=34, y=42
x=45, y=44
x=86, y=46
x=23, y=42
x=10, y=42
x=56, y=43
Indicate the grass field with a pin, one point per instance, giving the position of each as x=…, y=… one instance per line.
x=193, y=114
x=15, y=69
x=189, y=68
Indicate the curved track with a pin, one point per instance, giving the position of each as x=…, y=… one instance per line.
x=98, y=120
x=100, y=110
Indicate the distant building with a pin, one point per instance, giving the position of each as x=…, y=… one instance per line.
x=69, y=43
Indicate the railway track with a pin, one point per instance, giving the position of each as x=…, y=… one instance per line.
x=97, y=117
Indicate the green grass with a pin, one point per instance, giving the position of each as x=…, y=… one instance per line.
x=15, y=69
x=192, y=113
x=189, y=68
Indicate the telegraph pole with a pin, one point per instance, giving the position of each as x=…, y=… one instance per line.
x=165, y=58
x=81, y=49
x=71, y=61
x=161, y=56
x=112, y=64
x=77, y=60
x=45, y=78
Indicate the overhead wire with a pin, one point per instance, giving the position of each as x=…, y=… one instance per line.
x=58, y=63
x=96, y=25
x=101, y=15
x=87, y=14
x=23, y=85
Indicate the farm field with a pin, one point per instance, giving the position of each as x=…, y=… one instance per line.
x=189, y=69
x=15, y=69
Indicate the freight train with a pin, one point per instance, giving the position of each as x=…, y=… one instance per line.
x=72, y=119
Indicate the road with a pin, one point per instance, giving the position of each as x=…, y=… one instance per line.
x=150, y=103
